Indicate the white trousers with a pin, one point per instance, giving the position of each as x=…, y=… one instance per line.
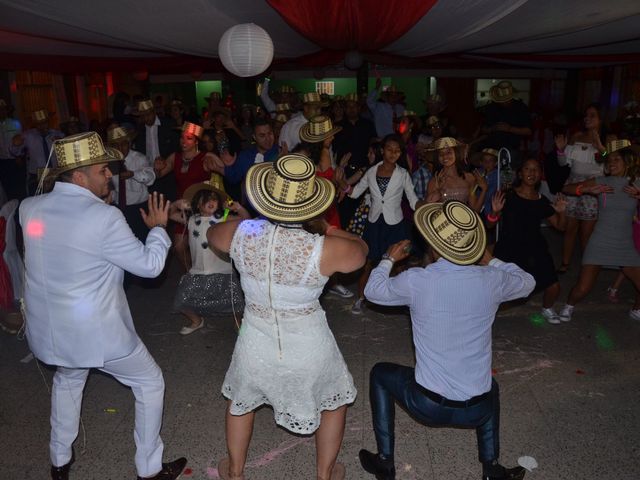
x=137, y=370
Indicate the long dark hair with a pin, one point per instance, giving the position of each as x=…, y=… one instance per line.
x=203, y=196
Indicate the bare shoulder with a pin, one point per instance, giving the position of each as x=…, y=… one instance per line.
x=220, y=235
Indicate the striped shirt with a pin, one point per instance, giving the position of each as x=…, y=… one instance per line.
x=452, y=311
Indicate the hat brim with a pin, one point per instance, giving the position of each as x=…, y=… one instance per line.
x=468, y=255
x=307, y=136
x=191, y=191
x=633, y=147
x=128, y=137
x=256, y=190
x=497, y=98
x=138, y=113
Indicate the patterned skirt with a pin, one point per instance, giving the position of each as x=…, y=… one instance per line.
x=208, y=295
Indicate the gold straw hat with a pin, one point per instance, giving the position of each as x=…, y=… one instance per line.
x=615, y=145
x=317, y=129
x=215, y=184
x=282, y=118
x=502, y=92
x=143, y=107
x=490, y=151
x=453, y=229
x=433, y=120
x=313, y=98
x=192, y=129
x=288, y=189
x=351, y=97
x=282, y=108
x=82, y=150
x=116, y=135
x=445, y=142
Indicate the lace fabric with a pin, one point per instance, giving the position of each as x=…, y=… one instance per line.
x=285, y=355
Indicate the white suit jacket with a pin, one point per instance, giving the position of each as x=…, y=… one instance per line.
x=389, y=204
x=76, y=250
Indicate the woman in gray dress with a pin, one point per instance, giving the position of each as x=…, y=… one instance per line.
x=612, y=241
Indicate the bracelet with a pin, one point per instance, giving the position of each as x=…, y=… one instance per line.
x=348, y=189
x=579, y=190
x=386, y=256
x=493, y=218
x=161, y=225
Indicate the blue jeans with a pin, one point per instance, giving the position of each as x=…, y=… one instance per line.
x=390, y=383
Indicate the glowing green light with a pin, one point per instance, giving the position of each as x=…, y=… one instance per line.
x=603, y=340
x=537, y=319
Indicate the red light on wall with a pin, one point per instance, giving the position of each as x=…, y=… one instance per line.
x=108, y=77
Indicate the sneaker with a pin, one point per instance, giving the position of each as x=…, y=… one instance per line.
x=356, y=309
x=565, y=314
x=341, y=291
x=634, y=315
x=612, y=295
x=551, y=316
x=190, y=329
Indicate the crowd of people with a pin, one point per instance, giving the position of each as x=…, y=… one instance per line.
x=267, y=211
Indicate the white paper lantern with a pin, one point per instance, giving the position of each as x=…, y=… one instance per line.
x=246, y=50
x=353, y=60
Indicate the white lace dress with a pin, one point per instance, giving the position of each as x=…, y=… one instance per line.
x=285, y=355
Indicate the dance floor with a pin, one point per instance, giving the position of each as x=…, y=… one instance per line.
x=569, y=395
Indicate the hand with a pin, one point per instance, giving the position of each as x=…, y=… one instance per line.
x=598, y=189
x=125, y=174
x=497, y=202
x=594, y=136
x=227, y=158
x=560, y=203
x=480, y=180
x=158, y=211
x=486, y=258
x=179, y=211
x=399, y=251
x=284, y=149
x=344, y=161
x=339, y=176
x=159, y=164
x=235, y=207
x=441, y=178
x=632, y=191
x=561, y=141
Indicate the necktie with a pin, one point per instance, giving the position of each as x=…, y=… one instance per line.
x=45, y=148
x=122, y=189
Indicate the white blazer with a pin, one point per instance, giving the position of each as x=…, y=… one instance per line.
x=76, y=250
x=389, y=204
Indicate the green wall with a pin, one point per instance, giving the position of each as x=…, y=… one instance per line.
x=203, y=89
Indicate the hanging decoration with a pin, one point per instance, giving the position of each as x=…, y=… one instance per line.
x=246, y=50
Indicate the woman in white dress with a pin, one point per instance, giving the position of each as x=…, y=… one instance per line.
x=285, y=355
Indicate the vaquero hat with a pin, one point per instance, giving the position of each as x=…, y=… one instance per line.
x=82, y=150
x=144, y=106
x=215, y=184
x=213, y=96
x=502, y=92
x=117, y=135
x=351, y=97
x=41, y=116
x=490, y=151
x=453, y=229
x=615, y=145
x=318, y=129
x=192, y=129
x=445, y=142
x=282, y=108
x=288, y=189
x=313, y=98
x=282, y=118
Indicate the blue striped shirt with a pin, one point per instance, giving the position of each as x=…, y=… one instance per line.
x=452, y=311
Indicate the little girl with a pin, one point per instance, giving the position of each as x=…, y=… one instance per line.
x=211, y=286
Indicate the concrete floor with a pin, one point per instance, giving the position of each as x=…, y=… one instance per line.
x=569, y=394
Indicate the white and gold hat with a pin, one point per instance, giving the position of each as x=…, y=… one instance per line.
x=317, y=129
x=82, y=150
x=615, y=145
x=502, y=92
x=215, y=184
x=453, y=229
x=116, y=135
x=445, y=142
x=144, y=106
x=313, y=98
x=192, y=129
x=288, y=189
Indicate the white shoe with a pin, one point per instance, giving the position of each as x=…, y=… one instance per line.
x=188, y=330
x=634, y=315
x=551, y=316
x=341, y=291
x=356, y=309
x=566, y=312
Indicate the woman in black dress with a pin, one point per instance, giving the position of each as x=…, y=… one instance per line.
x=521, y=241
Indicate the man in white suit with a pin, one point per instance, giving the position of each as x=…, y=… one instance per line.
x=77, y=316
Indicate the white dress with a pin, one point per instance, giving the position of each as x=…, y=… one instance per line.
x=285, y=355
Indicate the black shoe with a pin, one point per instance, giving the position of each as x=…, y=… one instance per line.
x=515, y=473
x=383, y=469
x=62, y=473
x=170, y=471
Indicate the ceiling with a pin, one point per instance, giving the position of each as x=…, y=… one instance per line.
x=169, y=36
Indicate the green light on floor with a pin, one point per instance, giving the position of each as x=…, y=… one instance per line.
x=603, y=340
x=537, y=319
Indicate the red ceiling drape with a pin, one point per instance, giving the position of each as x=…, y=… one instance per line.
x=365, y=25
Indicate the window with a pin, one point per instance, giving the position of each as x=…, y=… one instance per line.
x=325, y=87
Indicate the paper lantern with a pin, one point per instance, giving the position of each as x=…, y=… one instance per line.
x=353, y=60
x=246, y=50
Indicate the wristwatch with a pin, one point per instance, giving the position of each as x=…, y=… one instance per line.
x=386, y=256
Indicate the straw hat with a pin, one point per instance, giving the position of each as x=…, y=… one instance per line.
x=433, y=120
x=117, y=135
x=615, y=145
x=288, y=189
x=453, y=229
x=213, y=97
x=282, y=108
x=502, y=92
x=490, y=151
x=40, y=116
x=287, y=89
x=82, y=150
x=282, y=118
x=445, y=142
x=351, y=97
x=318, y=129
x=144, y=106
x=192, y=129
x=313, y=98
x=215, y=184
